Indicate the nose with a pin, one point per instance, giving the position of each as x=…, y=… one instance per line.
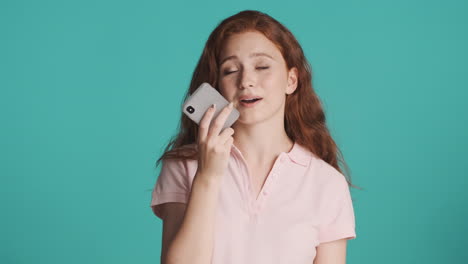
x=246, y=79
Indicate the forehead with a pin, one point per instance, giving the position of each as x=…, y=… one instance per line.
x=243, y=44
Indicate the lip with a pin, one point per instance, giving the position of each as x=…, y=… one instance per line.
x=249, y=97
x=251, y=104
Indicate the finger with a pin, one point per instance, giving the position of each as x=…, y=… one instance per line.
x=225, y=135
x=220, y=120
x=205, y=123
x=229, y=142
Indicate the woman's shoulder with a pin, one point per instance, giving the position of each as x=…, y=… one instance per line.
x=321, y=171
x=328, y=176
x=182, y=161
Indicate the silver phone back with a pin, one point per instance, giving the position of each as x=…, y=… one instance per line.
x=201, y=99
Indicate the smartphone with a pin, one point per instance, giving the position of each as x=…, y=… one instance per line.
x=201, y=99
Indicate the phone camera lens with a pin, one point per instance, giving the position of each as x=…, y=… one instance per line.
x=190, y=109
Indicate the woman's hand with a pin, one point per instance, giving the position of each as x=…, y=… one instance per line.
x=214, y=148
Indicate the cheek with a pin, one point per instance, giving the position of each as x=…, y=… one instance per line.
x=274, y=83
x=226, y=92
x=273, y=76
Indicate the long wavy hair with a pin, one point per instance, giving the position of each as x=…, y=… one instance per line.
x=304, y=120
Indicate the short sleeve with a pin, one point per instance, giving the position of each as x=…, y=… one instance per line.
x=172, y=185
x=338, y=220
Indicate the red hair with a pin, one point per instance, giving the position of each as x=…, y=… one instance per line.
x=304, y=120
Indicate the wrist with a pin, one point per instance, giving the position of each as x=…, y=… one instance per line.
x=206, y=180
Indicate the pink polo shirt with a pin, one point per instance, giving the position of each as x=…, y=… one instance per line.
x=304, y=202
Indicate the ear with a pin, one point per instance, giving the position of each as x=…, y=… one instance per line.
x=292, y=80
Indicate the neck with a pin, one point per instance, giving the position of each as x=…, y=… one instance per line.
x=263, y=142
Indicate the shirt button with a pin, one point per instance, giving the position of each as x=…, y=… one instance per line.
x=265, y=192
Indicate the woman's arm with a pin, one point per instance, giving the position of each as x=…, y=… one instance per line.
x=172, y=215
x=193, y=242
x=333, y=252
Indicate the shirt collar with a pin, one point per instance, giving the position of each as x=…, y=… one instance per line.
x=298, y=154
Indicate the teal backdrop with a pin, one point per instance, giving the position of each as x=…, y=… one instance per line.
x=91, y=93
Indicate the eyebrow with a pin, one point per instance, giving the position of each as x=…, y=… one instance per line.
x=255, y=54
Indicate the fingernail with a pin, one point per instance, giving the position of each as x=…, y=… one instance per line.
x=231, y=104
x=213, y=106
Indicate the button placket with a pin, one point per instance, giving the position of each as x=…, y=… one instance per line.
x=255, y=204
x=278, y=168
x=274, y=176
x=267, y=188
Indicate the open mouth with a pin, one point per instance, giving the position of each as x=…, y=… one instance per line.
x=250, y=101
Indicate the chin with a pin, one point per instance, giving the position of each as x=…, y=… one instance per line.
x=251, y=120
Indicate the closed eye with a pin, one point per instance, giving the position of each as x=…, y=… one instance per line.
x=226, y=72
x=261, y=68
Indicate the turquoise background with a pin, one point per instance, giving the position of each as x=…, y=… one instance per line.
x=91, y=93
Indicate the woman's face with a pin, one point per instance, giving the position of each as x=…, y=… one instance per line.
x=263, y=75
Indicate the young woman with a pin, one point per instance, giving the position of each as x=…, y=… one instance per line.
x=268, y=189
